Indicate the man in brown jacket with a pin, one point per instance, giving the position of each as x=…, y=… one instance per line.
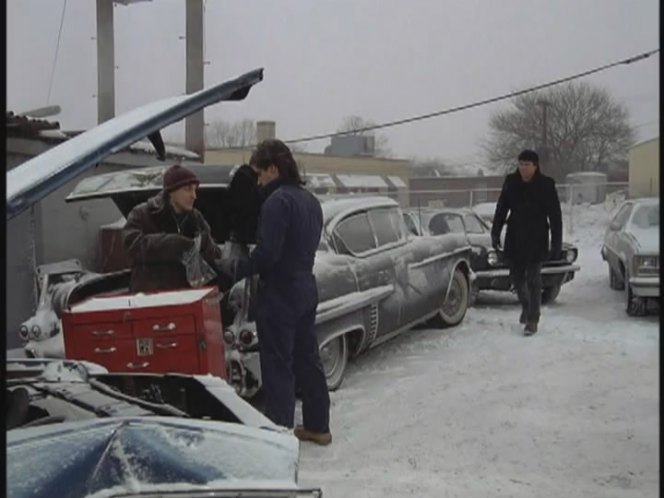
x=160, y=231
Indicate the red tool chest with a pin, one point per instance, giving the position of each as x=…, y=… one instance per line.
x=175, y=331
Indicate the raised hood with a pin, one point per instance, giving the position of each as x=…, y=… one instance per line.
x=38, y=177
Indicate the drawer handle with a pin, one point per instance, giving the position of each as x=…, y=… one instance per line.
x=161, y=328
x=103, y=332
x=112, y=349
x=168, y=345
x=135, y=366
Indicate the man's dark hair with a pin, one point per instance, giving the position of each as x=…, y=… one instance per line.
x=273, y=151
x=529, y=156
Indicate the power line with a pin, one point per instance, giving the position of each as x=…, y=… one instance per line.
x=57, y=50
x=640, y=125
x=629, y=60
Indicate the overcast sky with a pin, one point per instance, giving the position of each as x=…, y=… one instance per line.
x=323, y=60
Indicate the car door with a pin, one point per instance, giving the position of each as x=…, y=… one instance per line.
x=355, y=238
x=479, y=237
x=615, y=235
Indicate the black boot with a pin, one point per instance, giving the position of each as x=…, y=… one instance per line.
x=530, y=329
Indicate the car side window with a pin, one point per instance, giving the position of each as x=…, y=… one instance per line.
x=473, y=225
x=354, y=234
x=386, y=225
x=622, y=216
x=410, y=224
x=446, y=223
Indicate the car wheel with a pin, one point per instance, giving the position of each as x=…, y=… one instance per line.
x=474, y=295
x=614, y=283
x=455, y=304
x=549, y=294
x=636, y=306
x=334, y=357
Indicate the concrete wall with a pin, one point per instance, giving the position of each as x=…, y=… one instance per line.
x=644, y=169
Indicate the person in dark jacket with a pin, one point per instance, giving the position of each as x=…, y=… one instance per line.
x=289, y=231
x=161, y=230
x=532, y=202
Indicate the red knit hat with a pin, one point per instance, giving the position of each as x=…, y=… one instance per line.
x=178, y=176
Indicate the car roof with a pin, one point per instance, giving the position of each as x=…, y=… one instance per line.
x=336, y=206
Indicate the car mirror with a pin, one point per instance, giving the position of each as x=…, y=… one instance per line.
x=614, y=226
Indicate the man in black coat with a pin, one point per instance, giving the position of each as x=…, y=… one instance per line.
x=532, y=202
x=289, y=231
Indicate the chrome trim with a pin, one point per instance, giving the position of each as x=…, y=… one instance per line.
x=547, y=270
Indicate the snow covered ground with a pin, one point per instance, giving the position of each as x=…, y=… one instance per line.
x=479, y=410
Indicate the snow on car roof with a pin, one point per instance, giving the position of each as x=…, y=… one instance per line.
x=334, y=206
x=362, y=181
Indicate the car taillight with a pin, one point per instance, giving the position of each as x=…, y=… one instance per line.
x=229, y=337
x=247, y=337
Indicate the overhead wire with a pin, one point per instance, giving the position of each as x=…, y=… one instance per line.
x=629, y=60
x=57, y=51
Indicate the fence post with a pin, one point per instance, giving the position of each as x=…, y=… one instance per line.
x=471, y=198
x=571, y=207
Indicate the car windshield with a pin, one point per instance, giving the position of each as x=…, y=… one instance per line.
x=646, y=216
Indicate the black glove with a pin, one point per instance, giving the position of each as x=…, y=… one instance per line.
x=556, y=253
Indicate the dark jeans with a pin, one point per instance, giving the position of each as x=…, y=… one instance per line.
x=289, y=355
x=527, y=280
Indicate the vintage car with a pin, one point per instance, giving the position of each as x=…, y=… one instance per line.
x=631, y=250
x=491, y=273
x=76, y=430
x=374, y=279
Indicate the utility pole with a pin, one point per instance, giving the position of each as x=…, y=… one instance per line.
x=194, y=136
x=105, y=62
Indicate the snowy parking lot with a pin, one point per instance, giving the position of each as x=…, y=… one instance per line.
x=479, y=410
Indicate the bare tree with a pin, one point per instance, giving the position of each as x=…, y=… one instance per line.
x=354, y=125
x=580, y=127
x=224, y=134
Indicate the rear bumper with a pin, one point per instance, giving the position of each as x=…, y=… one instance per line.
x=499, y=279
x=645, y=286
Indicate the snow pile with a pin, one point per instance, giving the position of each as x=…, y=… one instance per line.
x=480, y=410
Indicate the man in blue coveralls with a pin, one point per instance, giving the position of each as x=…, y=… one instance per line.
x=289, y=232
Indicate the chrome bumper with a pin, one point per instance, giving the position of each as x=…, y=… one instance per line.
x=645, y=286
x=546, y=270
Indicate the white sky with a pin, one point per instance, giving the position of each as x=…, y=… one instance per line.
x=381, y=59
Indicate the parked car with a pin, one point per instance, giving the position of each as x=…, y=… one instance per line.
x=631, y=250
x=374, y=282
x=491, y=272
x=76, y=430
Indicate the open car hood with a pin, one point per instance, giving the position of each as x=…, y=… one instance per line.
x=38, y=177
